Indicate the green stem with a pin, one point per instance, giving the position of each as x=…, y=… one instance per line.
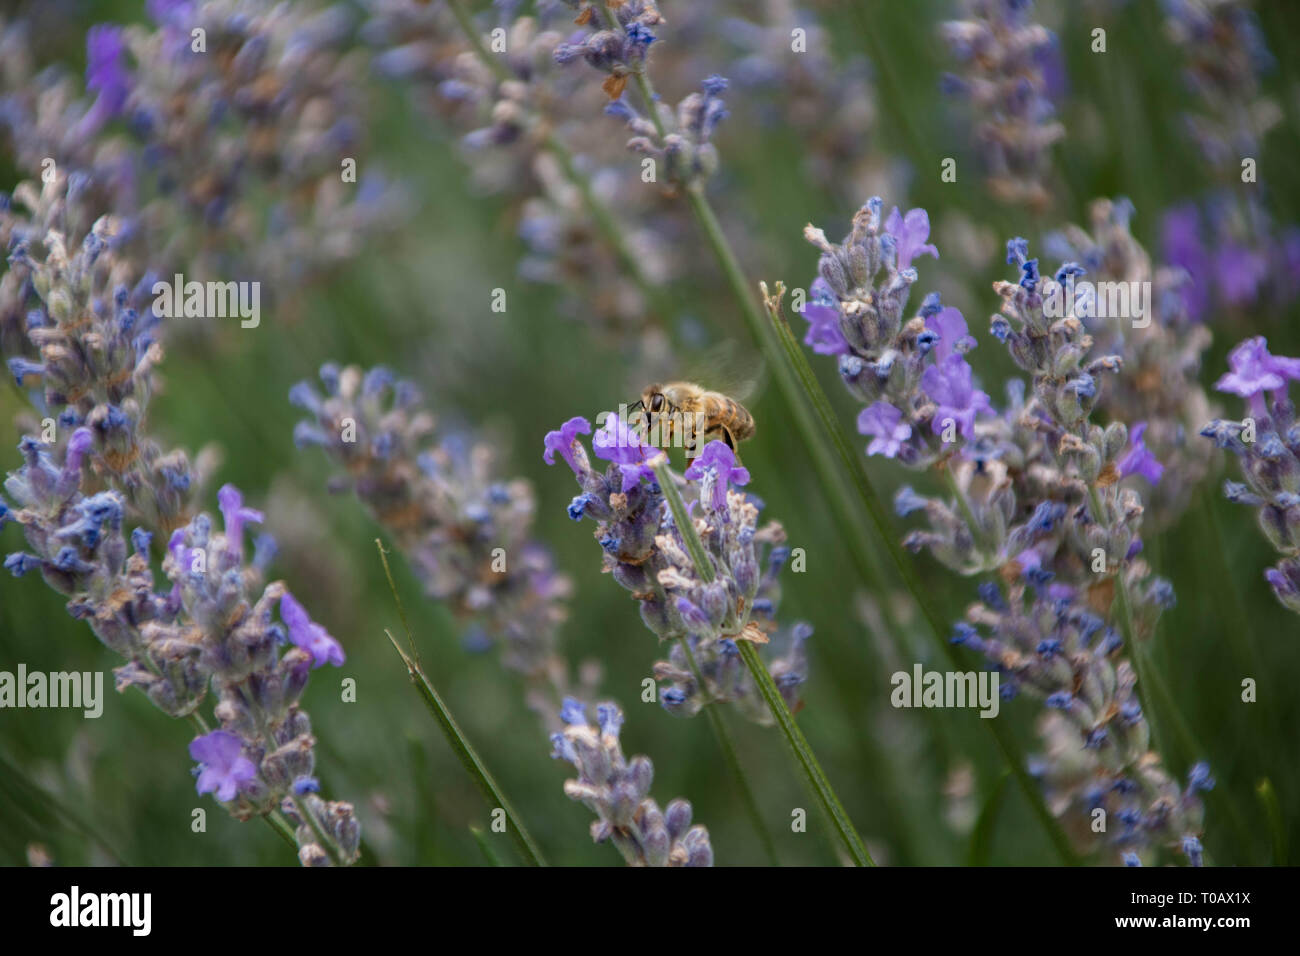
x=817, y=781
x=732, y=758
x=468, y=757
x=276, y=821
x=485, y=848
x=1242, y=634
x=460, y=744
x=1273, y=810
x=401, y=610
x=816, y=778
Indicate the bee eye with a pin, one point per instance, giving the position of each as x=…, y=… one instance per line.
x=656, y=403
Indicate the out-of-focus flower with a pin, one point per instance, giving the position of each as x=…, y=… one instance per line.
x=467, y=532
x=1007, y=61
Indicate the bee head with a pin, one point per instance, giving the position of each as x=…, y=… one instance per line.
x=653, y=400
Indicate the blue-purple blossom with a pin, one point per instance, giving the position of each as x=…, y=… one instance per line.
x=910, y=233
x=1139, y=460
x=1181, y=240
x=1254, y=370
x=563, y=439
x=954, y=336
x=307, y=634
x=231, y=502
x=719, y=459
x=949, y=384
x=823, y=316
x=223, y=768
x=619, y=443
x=106, y=72
x=885, y=424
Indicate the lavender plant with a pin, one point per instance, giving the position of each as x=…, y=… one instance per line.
x=211, y=630
x=1234, y=251
x=1226, y=55
x=698, y=581
x=97, y=368
x=1036, y=495
x=645, y=552
x=617, y=791
x=222, y=135
x=87, y=313
x=467, y=534
x=1008, y=63
x=1267, y=442
x=1162, y=351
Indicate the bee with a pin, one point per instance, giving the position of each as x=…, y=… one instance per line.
x=702, y=415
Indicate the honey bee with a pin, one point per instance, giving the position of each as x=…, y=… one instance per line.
x=702, y=415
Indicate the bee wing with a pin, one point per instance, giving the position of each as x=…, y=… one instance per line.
x=733, y=368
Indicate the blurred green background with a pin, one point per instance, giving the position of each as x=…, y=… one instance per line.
x=118, y=789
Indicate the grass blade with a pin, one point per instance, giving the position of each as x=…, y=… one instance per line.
x=460, y=744
x=981, y=838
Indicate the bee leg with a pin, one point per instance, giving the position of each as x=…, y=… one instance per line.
x=734, y=445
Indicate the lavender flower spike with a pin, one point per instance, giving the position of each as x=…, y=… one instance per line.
x=1267, y=441
x=211, y=633
x=617, y=791
x=646, y=554
x=450, y=514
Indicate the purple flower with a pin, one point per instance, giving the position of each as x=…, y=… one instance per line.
x=1183, y=248
x=307, y=634
x=823, y=317
x=949, y=324
x=106, y=74
x=563, y=440
x=231, y=502
x=163, y=11
x=179, y=552
x=948, y=383
x=1254, y=371
x=1140, y=460
x=885, y=424
x=721, y=460
x=1238, y=273
x=618, y=443
x=222, y=765
x=910, y=232
x=80, y=443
